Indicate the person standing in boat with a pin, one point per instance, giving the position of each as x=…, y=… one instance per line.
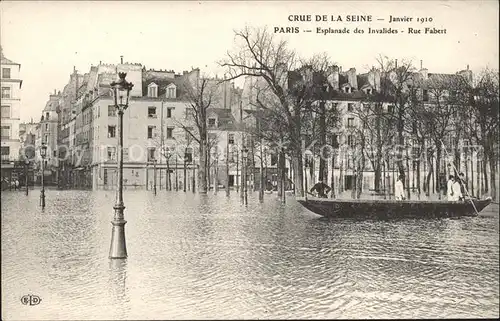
x=457, y=190
x=463, y=185
x=449, y=188
x=399, y=189
x=320, y=188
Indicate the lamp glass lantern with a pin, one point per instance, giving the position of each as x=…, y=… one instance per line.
x=121, y=90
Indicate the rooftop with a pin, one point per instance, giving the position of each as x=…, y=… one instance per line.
x=5, y=61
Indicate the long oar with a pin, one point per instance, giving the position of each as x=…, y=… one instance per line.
x=456, y=171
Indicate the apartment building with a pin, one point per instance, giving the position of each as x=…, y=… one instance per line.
x=10, y=109
x=11, y=83
x=351, y=94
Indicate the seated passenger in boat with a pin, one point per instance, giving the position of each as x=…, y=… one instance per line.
x=321, y=188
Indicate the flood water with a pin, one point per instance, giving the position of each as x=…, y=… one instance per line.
x=209, y=257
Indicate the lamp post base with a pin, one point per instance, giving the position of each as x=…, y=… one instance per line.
x=118, y=249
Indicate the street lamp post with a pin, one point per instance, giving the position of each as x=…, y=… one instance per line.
x=118, y=249
x=27, y=164
x=43, y=153
x=244, y=153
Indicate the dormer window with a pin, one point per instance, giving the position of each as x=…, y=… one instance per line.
x=171, y=91
x=211, y=122
x=153, y=90
x=347, y=89
x=368, y=91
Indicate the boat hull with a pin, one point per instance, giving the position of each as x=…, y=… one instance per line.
x=387, y=209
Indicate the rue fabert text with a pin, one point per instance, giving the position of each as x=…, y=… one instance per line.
x=426, y=31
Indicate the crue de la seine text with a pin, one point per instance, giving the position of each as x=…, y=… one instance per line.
x=361, y=24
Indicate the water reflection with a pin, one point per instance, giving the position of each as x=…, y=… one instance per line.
x=193, y=256
x=118, y=290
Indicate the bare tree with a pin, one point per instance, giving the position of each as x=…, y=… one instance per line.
x=436, y=116
x=259, y=54
x=201, y=95
x=479, y=104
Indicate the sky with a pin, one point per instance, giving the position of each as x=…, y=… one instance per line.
x=48, y=38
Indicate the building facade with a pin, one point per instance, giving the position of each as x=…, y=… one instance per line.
x=156, y=129
x=354, y=96
x=10, y=115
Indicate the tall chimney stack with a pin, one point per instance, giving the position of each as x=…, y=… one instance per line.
x=121, y=60
x=421, y=64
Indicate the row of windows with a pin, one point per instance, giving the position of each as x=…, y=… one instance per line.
x=151, y=133
x=6, y=92
x=5, y=134
x=5, y=111
x=6, y=73
x=151, y=111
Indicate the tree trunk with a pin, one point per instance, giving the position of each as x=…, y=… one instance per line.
x=407, y=180
x=333, y=174
x=184, y=178
x=418, y=179
x=194, y=178
x=283, y=176
x=427, y=186
x=485, y=175
x=262, y=181
x=437, y=178
x=299, y=172
x=486, y=159
x=378, y=175
x=323, y=165
x=493, y=165
x=227, y=166
x=202, y=171
x=281, y=164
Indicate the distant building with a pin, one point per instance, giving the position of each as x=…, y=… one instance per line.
x=48, y=131
x=156, y=126
x=349, y=93
x=10, y=114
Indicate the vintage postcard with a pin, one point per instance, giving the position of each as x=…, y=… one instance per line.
x=249, y=159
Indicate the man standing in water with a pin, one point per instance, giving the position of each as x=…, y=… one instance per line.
x=320, y=188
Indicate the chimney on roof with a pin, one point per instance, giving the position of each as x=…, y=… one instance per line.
x=333, y=77
x=353, y=80
x=396, y=64
x=467, y=66
x=421, y=64
x=424, y=73
x=100, y=62
x=374, y=78
x=121, y=60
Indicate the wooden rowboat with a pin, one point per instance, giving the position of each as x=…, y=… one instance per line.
x=387, y=209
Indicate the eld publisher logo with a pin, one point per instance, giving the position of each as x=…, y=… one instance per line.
x=31, y=299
